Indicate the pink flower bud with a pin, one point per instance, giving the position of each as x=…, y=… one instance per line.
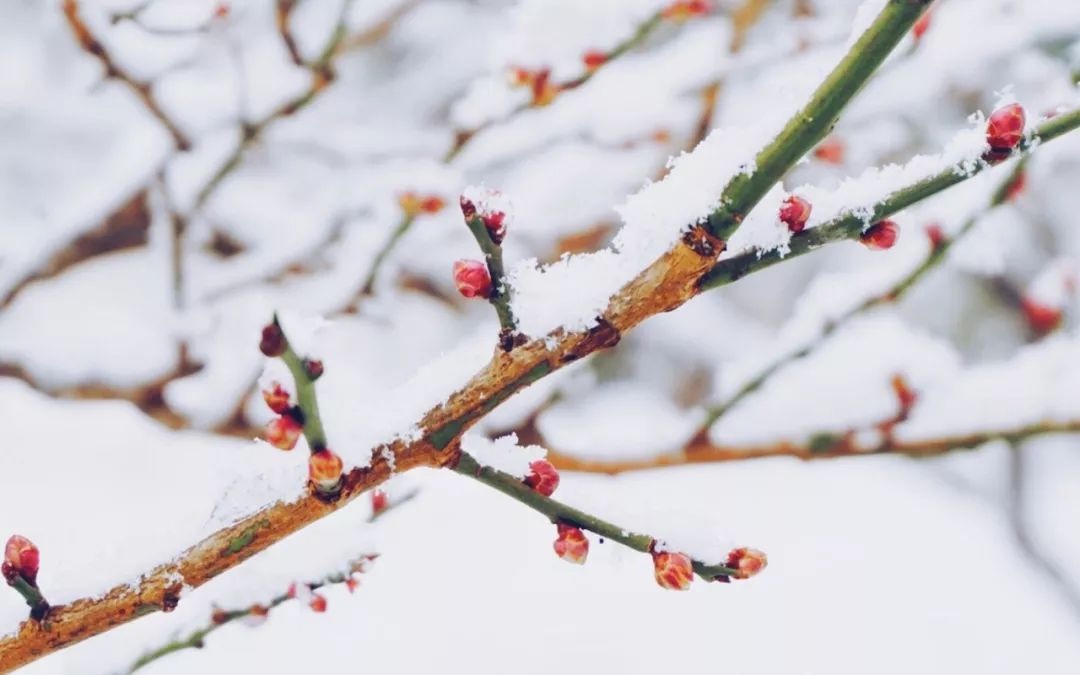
x=352, y=584
x=593, y=59
x=1041, y=318
x=495, y=222
x=432, y=204
x=472, y=278
x=324, y=470
x=317, y=603
x=746, y=562
x=379, y=501
x=277, y=398
x=674, y=571
x=21, y=557
x=543, y=477
x=880, y=236
x=283, y=431
x=571, y=545
x=795, y=211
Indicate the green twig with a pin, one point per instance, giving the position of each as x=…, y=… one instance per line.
x=500, y=291
x=850, y=225
x=558, y=512
x=896, y=292
x=814, y=121
x=39, y=607
x=305, y=395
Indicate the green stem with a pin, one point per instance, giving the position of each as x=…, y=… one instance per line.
x=305, y=396
x=558, y=512
x=814, y=121
x=39, y=607
x=376, y=265
x=850, y=226
x=936, y=255
x=500, y=291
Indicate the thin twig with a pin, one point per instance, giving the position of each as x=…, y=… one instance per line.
x=558, y=512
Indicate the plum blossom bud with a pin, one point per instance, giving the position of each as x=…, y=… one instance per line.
x=881, y=235
x=283, y=432
x=543, y=477
x=674, y=571
x=256, y=615
x=472, y=278
x=795, y=211
x=593, y=59
x=746, y=562
x=277, y=398
x=684, y=10
x=831, y=151
x=317, y=603
x=313, y=368
x=352, y=584
x=273, y=340
x=1042, y=319
x=324, y=470
x=379, y=501
x=544, y=90
x=432, y=204
x=922, y=25
x=21, y=558
x=1005, y=127
x=905, y=395
x=571, y=544
x=936, y=235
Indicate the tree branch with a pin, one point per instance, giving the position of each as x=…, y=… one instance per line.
x=558, y=512
x=666, y=284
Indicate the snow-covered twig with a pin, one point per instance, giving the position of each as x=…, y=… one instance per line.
x=142, y=90
x=939, y=250
x=258, y=613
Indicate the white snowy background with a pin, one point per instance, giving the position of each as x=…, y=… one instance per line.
x=113, y=451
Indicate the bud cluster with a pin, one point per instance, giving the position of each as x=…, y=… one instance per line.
x=413, y=204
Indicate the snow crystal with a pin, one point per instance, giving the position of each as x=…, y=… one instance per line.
x=505, y=454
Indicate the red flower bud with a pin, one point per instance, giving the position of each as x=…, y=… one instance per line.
x=880, y=236
x=283, y=431
x=313, y=368
x=922, y=25
x=1005, y=127
x=1041, y=318
x=432, y=204
x=257, y=615
x=935, y=234
x=277, y=398
x=795, y=211
x=674, y=571
x=324, y=470
x=593, y=59
x=219, y=616
x=221, y=11
x=519, y=77
x=905, y=396
x=683, y=10
x=543, y=89
x=831, y=150
x=543, y=477
x=495, y=222
x=317, y=603
x=352, y=584
x=472, y=278
x=21, y=557
x=1016, y=186
x=746, y=562
x=379, y=501
x=571, y=545
x=273, y=341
